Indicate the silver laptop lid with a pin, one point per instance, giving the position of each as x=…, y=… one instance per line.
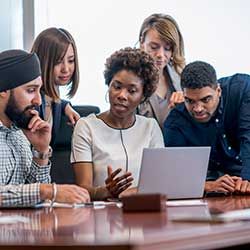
x=178, y=172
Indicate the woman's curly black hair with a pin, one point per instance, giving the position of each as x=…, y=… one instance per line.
x=138, y=62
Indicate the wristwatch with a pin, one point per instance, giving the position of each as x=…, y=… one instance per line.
x=42, y=155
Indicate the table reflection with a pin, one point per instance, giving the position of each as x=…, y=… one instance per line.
x=228, y=203
x=43, y=225
x=110, y=226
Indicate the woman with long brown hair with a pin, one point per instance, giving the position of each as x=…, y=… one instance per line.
x=57, y=52
x=160, y=37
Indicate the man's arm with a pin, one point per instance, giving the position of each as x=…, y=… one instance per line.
x=20, y=195
x=244, y=132
x=173, y=137
x=174, y=129
x=225, y=184
x=39, y=173
x=39, y=135
x=27, y=195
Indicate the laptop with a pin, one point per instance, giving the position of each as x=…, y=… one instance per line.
x=178, y=172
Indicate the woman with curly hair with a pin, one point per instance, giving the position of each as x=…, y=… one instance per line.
x=160, y=37
x=115, y=139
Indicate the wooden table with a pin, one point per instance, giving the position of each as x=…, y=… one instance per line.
x=110, y=228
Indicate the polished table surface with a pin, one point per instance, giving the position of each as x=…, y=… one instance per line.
x=109, y=228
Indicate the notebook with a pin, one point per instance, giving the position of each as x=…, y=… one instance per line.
x=178, y=172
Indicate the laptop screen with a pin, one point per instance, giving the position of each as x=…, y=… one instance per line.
x=178, y=172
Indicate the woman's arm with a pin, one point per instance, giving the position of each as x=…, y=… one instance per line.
x=113, y=186
x=72, y=115
x=84, y=178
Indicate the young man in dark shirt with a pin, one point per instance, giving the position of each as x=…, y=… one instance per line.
x=217, y=114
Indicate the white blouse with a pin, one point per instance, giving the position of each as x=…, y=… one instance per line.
x=94, y=141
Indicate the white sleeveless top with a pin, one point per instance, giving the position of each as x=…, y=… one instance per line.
x=94, y=141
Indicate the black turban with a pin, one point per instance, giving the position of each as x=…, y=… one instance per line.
x=17, y=67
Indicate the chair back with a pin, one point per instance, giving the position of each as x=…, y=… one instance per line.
x=61, y=170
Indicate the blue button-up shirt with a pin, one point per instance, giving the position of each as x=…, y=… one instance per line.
x=227, y=132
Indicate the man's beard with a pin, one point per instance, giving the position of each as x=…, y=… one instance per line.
x=21, y=118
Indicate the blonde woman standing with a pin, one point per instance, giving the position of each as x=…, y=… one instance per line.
x=160, y=37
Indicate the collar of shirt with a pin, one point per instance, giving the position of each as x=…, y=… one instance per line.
x=13, y=127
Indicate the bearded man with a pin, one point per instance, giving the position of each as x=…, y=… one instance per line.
x=25, y=137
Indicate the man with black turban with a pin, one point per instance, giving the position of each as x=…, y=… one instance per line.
x=25, y=137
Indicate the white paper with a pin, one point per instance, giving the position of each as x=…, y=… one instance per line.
x=194, y=202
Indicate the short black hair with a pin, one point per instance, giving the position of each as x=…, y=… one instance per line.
x=137, y=61
x=197, y=75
